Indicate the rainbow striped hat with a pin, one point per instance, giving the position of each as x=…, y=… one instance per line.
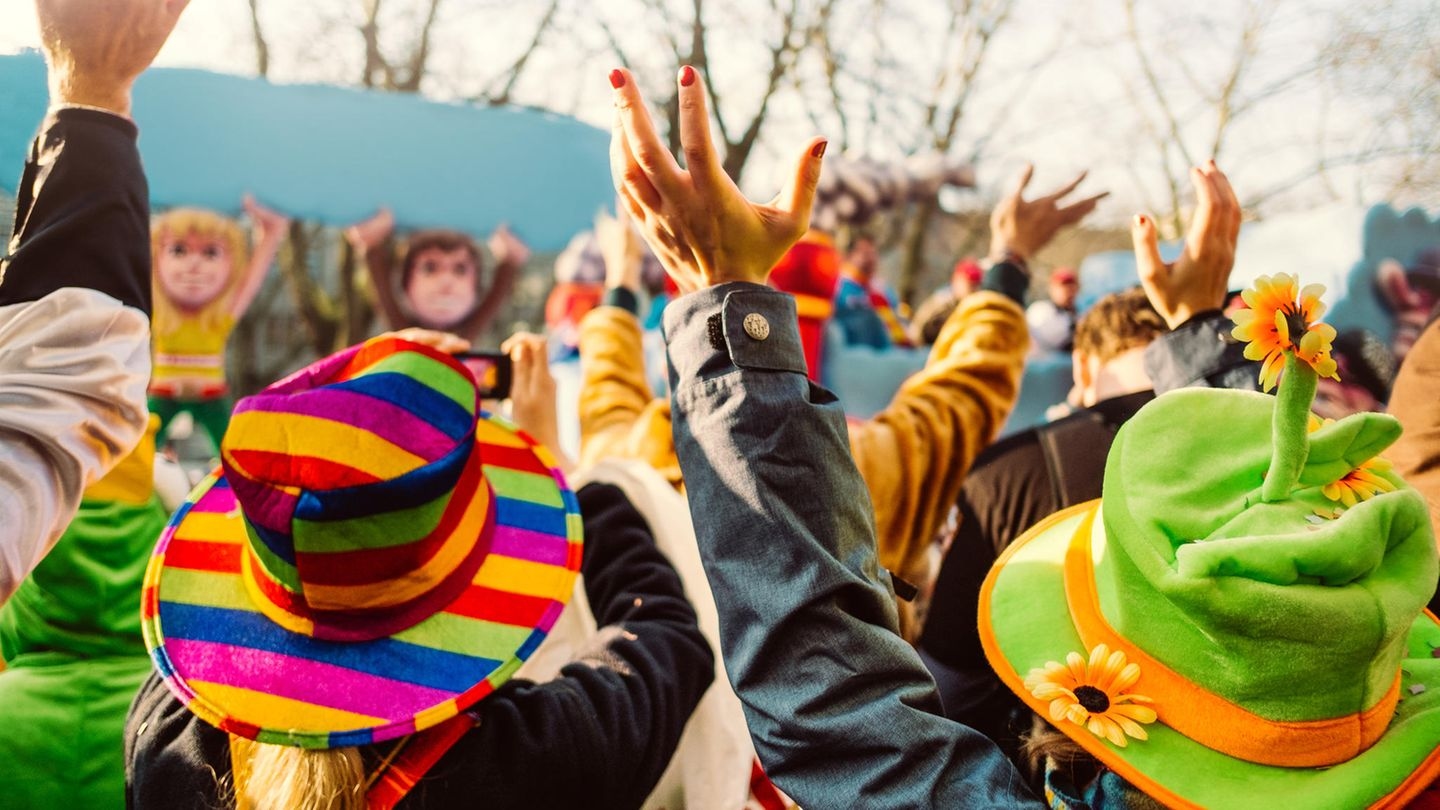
x=375, y=556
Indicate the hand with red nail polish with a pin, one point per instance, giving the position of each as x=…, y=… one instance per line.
x=1195, y=282
x=695, y=219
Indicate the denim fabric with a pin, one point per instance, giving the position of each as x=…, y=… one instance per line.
x=842, y=712
x=1201, y=353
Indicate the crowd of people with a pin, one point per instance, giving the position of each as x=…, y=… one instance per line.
x=1203, y=587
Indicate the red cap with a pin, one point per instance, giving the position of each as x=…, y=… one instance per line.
x=1064, y=275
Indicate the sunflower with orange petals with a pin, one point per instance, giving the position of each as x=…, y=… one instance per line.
x=1361, y=484
x=1092, y=694
x=1284, y=318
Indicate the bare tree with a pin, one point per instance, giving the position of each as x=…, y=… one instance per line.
x=262, y=47
x=970, y=30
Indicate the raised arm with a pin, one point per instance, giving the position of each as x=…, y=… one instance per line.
x=75, y=295
x=841, y=710
x=944, y=415
x=372, y=241
x=270, y=227
x=620, y=417
x=1189, y=293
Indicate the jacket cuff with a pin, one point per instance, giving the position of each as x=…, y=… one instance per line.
x=623, y=298
x=733, y=326
x=1008, y=279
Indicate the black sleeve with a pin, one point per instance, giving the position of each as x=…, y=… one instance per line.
x=82, y=213
x=172, y=758
x=602, y=733
x=1201, y=353
x=1008, y=279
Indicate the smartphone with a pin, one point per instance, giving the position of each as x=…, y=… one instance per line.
x=491, y=371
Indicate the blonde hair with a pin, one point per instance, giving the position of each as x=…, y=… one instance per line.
x=180, y=223
x=282, y=777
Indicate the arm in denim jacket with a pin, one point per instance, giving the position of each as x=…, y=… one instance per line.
x=842, y=712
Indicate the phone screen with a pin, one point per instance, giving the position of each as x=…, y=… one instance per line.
x=491, y=372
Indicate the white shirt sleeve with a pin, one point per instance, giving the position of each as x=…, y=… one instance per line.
x=74, y=367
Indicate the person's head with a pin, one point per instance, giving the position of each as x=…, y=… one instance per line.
x=310, y=595
x=199, y=257
x=439, y=276
x=1367, y=373
x=966, y=277
x=1064, y=287
x=930, y=317
x=1240, y=620
x=863, y=255
x=1110, y=339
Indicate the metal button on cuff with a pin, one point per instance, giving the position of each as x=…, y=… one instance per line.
x=756, y=326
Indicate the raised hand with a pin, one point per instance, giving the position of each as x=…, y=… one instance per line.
x=96, y=49
x=621, y=249
x=507, y=247
x=370, y=233
x=439, y=341
x=532, y=392
x=1196, y=281
x=269, y=221
x=696, y=220
x=1020, y=228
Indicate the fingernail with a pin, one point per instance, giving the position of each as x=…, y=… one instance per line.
x=617, y=79
x=819, y=150
x=1140, y=220
x=1210, y=163
x=687, y=76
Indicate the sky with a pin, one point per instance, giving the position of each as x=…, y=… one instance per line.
x=1071, y=114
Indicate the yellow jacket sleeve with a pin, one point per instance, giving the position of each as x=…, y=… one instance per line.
x=619, y=417
x=914, y=455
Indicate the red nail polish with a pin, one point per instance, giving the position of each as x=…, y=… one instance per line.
x=687, y=76
x=819, y=150
x=617, y=79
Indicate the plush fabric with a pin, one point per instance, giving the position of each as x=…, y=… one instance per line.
x=1273, y=636
x=377, y=556
x=70, y=640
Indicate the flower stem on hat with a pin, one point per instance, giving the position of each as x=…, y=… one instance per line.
x=1282, y=330
x=1290, y=429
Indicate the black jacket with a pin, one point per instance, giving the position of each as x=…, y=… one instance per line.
x=600, y=735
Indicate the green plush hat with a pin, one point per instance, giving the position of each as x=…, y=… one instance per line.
x=1241, y=619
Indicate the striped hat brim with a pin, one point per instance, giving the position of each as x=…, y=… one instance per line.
x=236, y=669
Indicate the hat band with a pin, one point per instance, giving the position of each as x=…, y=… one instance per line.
x=460, y=543
x=1206, y=717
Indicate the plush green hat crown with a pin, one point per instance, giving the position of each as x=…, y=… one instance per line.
x=1291, y=615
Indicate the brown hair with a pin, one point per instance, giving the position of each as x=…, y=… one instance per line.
x=1118, y=323
x=1046, y=746
x=444, y=240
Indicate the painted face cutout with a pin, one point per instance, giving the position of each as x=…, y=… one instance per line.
x=441, y=287
x=193, y=270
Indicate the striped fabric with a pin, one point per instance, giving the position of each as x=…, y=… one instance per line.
x=265, y=627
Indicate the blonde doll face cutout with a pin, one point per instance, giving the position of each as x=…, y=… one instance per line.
x=193, y=269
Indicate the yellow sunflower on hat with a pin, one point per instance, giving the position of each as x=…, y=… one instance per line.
x=1092, y=694
x=1284, y=317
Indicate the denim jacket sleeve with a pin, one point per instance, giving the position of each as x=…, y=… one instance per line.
x=842, y=712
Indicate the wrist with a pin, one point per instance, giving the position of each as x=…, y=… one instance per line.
x=70, y=90
x=1005, y=254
